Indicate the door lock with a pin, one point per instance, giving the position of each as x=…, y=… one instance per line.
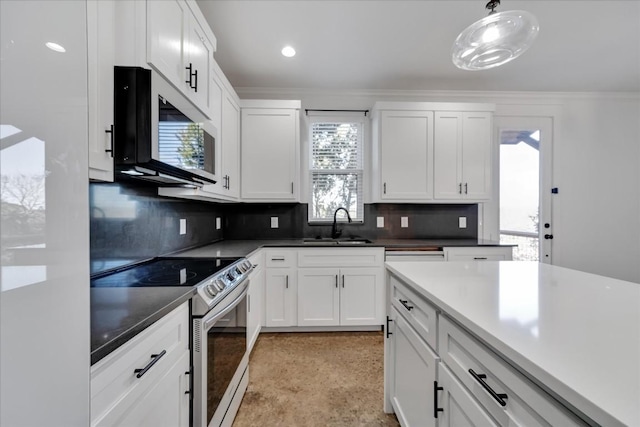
x=548, y=236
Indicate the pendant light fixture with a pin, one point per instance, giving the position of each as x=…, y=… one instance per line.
x=495, y=39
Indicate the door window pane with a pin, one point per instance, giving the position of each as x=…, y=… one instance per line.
x=519, y=192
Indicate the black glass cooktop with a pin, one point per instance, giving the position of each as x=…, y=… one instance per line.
x=163, y=272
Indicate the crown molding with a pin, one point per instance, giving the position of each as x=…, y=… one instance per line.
x=431, y=94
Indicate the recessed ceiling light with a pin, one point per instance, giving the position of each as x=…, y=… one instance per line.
x=55, y=47
x=288, y=51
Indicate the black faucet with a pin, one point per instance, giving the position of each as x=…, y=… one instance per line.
x=335, y=233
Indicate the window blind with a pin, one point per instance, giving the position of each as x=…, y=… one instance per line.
x=336, y=170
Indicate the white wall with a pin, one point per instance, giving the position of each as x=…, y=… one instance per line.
x=596, y=165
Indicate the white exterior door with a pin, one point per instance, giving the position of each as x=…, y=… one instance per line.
x=521, y=211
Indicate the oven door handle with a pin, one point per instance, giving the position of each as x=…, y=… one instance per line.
x=208, y=322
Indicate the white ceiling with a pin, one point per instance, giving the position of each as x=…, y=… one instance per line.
x=405, y=45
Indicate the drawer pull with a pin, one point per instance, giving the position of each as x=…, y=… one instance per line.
x=499, y=397
x=336, y=281
x=404, y=302
x=479, y=257
x=154, y=359
x=280, y=258
x=436, y=389
x=389, y=320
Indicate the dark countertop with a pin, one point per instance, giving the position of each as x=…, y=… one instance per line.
x=119, y=314
x=239, y=248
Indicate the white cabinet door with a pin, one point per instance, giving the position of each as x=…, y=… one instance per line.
x=198, y=53
x=101, y=49
x=164, y=404
x=462, y=156
x=230, y=147
x=406, y=140
x=318, y=297
x=459, y=409
x=280, y=297
x=269, y=160
x=166, y=21
x=413, y=376
x=361, y=296
x=255, y=302
x=476, y=155
x=447, y=144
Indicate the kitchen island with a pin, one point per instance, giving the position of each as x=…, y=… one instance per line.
x=569, y=337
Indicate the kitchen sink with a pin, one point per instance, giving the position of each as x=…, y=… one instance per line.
x=335, y=242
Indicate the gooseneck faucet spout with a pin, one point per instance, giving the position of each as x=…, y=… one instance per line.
x=335, y=233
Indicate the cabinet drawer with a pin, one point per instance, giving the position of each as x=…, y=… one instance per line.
x=497, y=253
x=113, y=380
x=418, y=312
x=342, y=257
x=280, y=258
x=525, y=404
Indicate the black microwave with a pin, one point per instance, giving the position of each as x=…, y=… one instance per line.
x=159, y=135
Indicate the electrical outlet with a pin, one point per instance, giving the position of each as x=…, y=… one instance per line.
x=183, y=226
x=380, y=222
x=218, y=223
x=462, y=222
x=274, y=222
x=404, y=221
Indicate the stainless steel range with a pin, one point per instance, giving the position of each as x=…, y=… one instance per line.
x=219, y=333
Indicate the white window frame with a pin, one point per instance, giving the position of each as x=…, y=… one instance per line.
x=361, y=120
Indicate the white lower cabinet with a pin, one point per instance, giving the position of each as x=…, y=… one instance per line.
x=455, y=405
x=339, y=296
x=413, y=366
x=146, y=381
x=456, y=381
x=280, y=297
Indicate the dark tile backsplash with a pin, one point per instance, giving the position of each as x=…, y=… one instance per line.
x=130, y=223
x=253, y=221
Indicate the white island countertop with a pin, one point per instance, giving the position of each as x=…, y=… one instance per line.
x=576, y=334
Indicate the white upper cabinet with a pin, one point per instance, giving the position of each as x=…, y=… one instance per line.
x=165, y=39
x=462, y=159
x=406, y=155
x=198, y=53
x=101, y=49
x=180, y=49
x=230, y=147
x=427, y=152
x=270, y=139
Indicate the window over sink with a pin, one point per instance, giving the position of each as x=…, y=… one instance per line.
x=336, y=167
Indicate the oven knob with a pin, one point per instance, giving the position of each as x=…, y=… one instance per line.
x=219, y=283
x=247, y=265
x=239, y=272
x=211, y=290
x=242, y=268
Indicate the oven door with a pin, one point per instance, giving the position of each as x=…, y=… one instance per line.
x=219, y=357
